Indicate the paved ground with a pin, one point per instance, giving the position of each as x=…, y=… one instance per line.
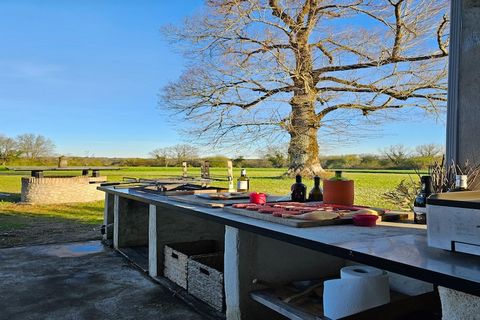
x=80, y=281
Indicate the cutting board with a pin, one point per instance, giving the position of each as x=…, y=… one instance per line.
x=199, y=201
x=297, y=223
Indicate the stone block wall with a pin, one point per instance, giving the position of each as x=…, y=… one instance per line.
x=61, y=189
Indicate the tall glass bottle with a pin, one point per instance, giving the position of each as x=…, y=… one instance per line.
x=420, y=204
x=243, y=183
x=299, y=190
x=316, y=194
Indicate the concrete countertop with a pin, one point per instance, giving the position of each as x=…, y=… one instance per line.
x=400, y=248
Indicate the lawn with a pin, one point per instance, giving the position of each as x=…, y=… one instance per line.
x=369, y=186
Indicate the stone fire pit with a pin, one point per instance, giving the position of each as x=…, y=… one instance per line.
x=42, y=189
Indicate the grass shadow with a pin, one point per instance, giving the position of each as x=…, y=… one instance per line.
x=9, y=197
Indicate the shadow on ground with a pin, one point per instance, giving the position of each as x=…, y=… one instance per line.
x=9, y=197
x=80, y=281
x=29, y=228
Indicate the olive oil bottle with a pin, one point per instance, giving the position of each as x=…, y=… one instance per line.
x=316, y=194
x=243, y=183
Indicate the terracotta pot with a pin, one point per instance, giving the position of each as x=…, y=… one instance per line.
x=338, y=192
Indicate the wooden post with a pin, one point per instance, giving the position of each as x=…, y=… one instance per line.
x=37, y=173
x=206, y=169
x=231, y=187
x=185, y=170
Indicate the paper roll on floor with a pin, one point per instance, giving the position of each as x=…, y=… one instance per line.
x=360, y=272
x=360, y=288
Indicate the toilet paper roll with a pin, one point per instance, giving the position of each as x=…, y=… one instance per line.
x=360, y=288
x=360, y=272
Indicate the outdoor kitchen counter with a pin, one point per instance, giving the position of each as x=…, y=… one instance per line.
x=394, y=247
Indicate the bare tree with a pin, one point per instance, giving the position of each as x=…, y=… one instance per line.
x=430, y=150
x=176, y=154
x=307, y=67
x=166, y=153
x=398, y=154
x=277, y=155
x=184, y=152
x=8, y=149
x=33, y=146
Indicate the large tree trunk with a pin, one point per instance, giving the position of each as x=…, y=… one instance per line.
x=304, y=123
x=303, y=149
x=303, y=153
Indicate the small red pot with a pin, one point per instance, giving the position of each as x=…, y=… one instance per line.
x=258, y=198
x=365, y=220
x=338, y=192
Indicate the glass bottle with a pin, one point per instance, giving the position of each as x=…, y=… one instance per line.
x=243, y=183
x=299, y=190
x=420, y=204
x=338, y=176
x=461, y=183
x=316, y=194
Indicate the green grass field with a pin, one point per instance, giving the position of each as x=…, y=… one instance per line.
x=369, y=186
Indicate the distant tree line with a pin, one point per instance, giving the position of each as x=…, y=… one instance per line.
x=28, y=146
x=393, y=157
x=31, y=149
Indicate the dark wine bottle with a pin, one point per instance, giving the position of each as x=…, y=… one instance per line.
x=420, y=204
x=299, y=190
x=461, y=183
x=316, y=194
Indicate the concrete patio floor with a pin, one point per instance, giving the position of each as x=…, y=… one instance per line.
x=80, y=281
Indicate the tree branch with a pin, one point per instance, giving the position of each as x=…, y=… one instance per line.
x=280, y=13
x=379, y=63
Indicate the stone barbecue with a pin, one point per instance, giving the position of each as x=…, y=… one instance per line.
x=40, y=189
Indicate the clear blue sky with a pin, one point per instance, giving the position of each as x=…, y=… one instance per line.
x=87, y=75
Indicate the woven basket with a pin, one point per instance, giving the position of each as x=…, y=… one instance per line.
x=176, y=258
x=205, y=279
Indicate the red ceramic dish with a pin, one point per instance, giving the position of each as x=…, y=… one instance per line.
x=365, y=220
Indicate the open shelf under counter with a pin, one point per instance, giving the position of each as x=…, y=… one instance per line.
x=310, y=307
x=138, y=255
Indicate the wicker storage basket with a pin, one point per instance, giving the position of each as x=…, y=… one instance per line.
x=205, y=279
x=176, y=257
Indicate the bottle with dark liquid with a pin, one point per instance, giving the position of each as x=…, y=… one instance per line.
x=461, y=183
x=420, y=204
x=299, y=190
x=316, y=193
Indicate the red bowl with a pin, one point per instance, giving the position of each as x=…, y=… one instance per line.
x=365, y=220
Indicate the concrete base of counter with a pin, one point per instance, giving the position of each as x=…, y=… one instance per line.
x=248, y=255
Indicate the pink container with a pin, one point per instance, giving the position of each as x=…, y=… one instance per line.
x=258, y=198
